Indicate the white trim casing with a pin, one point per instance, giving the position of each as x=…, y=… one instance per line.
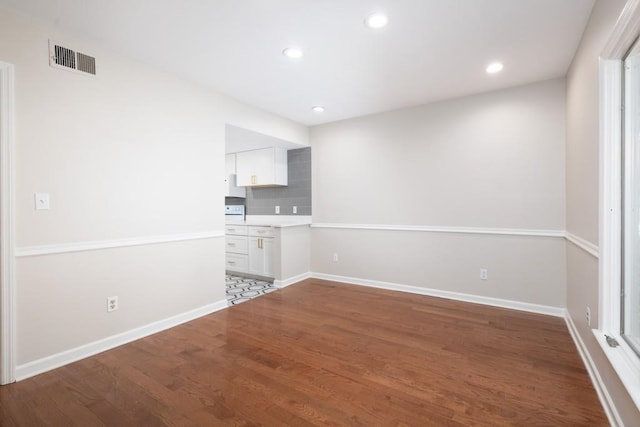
x=623, y=37
x=624, y=33
x=118, y=243
x=7, y=226
x=610, y=189
x=624, y=361
x=459, y=296
x=601, y=390
x=445, y=229
x=69, y=356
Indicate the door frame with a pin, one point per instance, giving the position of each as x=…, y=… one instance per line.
x=7, y=226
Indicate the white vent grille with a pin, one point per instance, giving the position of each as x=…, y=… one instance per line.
x=68, y=59
x=86, y=63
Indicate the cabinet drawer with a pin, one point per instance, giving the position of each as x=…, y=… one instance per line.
x=260, y=231
x=237, y=262
x=239, y=230
x=236, y=244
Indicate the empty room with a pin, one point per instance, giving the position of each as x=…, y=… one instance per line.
x=302, y=212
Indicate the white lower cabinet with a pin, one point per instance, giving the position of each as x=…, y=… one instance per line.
x=237, y=262
x=261, y=256
x=261, y=250
x=237, y=244
x=236, y=249
x=249, y=249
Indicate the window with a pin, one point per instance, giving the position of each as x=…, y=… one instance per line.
x=619, y=251
x=630, y=227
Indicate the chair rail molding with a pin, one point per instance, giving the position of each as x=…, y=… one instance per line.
x=445, y=229
x=61, y=248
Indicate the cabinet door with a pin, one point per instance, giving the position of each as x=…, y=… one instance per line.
x=264, y=167
x=267, y=245
x=261, y=256
x=254, y=167
x=256, y=256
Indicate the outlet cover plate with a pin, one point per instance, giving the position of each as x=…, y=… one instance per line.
x=112, y=304
x=42, y=201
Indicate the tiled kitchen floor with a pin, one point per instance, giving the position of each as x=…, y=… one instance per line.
x=242, y=289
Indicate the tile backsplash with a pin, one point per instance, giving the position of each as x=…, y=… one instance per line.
x=263, y=201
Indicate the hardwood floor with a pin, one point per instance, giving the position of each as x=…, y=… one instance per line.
x=324, y=353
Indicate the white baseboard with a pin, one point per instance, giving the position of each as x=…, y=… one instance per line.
x=291, y=280
x=69, y=356
x=601, y=389
x=477, y=299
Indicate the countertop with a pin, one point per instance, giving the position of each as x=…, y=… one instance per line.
x=276, y=221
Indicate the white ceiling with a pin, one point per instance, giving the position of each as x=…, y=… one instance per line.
x=431, y=49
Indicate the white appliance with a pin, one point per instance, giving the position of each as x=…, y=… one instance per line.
x=234, y=214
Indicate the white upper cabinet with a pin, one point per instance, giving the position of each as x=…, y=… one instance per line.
x=231, y=189
x=266, y=167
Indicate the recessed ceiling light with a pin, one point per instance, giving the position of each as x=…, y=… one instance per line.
x=292, y=52
x=495, y=67
x=318, y=108
x=376, y=20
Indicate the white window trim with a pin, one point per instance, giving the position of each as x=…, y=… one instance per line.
x=7, y=227
x=623, y=359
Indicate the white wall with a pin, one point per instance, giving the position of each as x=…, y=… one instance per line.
x=494, y=160
x=582, y=193
x=131, y=153
x=292, y=254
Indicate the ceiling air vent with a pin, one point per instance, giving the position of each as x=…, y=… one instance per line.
x=68, y=59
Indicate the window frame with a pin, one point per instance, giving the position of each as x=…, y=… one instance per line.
x=623, y=358
x=629, y=148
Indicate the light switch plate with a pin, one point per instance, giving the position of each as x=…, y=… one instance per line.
x=42, y=201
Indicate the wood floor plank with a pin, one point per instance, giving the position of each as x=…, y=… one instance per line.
x=326, y=353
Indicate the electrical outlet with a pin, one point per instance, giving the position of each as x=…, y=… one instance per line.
x=277, y=209
x=295, y=209
x=112, y=304
x=335, y=257
x=588, y=316
x=42, y=201
x=484, y=274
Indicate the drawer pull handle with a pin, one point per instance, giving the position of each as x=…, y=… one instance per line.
x=231, y=262
x=231, y=244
